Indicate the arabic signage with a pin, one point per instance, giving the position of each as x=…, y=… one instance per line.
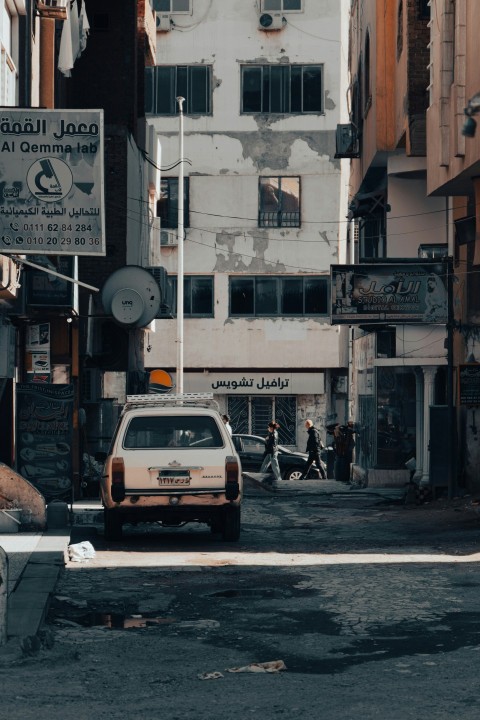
x=268, y=383
x=44, y=437
x=403, y=293
x=469, y=381
x=51, y=186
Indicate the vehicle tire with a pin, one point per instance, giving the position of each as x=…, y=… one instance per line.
x=112, y=525
x=294, y=473
x=231, y=524
x=216, y=526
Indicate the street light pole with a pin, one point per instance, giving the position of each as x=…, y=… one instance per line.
x=180, y=232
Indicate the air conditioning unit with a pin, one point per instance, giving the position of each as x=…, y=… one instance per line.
x=164, y=22
x=168, y=238
x=271, y=21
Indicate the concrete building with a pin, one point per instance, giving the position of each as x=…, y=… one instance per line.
x=264, y=84
x=453, y=165
x=66, y=63
x=399, y=380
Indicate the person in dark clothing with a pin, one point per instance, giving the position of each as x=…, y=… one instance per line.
x=314, y=445
x=270, y=456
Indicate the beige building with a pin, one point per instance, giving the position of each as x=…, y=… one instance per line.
x=398, y=379
x=264, y=205
x=453, y=163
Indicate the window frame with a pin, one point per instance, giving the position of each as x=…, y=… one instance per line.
x=188, y=287
x=268, y=80
x=281, y=214
x=280, y=282
x=177, y=86
x=282, y=8
x=169, y=220
x=172, y=11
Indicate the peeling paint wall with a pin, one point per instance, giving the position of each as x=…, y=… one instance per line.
x=228, y=152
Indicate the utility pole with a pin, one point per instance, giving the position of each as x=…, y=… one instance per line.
x=180, y=233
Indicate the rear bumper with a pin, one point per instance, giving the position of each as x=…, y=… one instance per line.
x=140, y=501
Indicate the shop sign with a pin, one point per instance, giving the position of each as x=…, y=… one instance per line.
x=255, y=383
x=384, y=293
x=469, y=381
x=52, y=186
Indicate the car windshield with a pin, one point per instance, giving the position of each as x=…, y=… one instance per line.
x=159, y=432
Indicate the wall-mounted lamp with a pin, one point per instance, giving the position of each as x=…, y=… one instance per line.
x=470, y=125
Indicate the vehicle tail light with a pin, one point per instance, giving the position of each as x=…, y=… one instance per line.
x=118, y=480
x=232, y=487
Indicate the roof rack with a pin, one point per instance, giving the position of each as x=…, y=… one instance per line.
x=168, y=400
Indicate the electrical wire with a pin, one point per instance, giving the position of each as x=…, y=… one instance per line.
x=320, y=222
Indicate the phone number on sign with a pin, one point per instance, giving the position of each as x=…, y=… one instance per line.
x=52, y=240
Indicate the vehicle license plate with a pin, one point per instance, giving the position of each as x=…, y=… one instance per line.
x=173, y=480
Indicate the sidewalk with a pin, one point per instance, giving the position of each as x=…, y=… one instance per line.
x=34, y=563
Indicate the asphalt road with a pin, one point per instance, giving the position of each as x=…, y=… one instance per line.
x=371, y=606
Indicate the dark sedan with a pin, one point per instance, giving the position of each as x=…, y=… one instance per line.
x=251, y=447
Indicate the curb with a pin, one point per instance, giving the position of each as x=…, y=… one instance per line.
x=29, y=602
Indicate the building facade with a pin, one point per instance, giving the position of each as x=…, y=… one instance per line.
x=453, y=165
x=399, y=379
x=264, y=86
x=69, y=57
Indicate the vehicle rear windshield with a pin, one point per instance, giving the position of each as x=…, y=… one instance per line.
x=173, y=431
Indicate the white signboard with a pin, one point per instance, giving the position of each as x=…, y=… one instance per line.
x=51, y=184
x=268, y=383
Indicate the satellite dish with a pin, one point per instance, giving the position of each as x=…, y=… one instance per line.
x=132, y=296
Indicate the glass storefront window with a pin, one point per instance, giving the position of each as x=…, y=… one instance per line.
x=396, y=416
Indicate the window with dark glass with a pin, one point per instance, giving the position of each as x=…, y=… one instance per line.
x=282, y=5
x=167, y=205
x=279, y=202
x=282, y=89
x=197, y=295
x=396, y=416
x=273, y=296
x=172, y=6
x=164, y=83
x=372, y=236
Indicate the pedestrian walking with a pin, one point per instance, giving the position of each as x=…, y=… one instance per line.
x=314, y=445
x=270, y=456
x=226, y=420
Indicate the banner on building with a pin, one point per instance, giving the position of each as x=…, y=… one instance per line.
x=44, y=437
x=469, y=384
x=52, y=185
x=389, y=293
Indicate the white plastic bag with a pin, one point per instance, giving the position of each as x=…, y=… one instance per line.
x=80, y=552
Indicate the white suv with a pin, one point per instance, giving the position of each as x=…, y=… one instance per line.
x=172, y=461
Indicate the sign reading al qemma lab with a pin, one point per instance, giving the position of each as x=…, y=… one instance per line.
x=52, y=184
